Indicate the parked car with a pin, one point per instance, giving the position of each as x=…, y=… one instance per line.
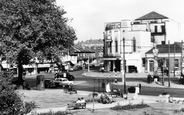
x=64, y=75
x=62, y=81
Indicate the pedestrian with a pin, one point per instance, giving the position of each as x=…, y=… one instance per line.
x=78, y=100
x=139, y=86
x=149, y=78
x=83, y=100
x=102, y=69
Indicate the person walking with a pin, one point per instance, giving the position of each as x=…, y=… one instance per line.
x=139, y=86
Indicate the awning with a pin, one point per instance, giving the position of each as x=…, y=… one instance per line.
x=110, y=58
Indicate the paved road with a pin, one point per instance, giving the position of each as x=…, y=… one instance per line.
x=89, y=84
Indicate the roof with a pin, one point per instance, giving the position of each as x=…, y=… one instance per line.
x=152, y=15
x=92, y=41
x=80, y=49
x=165, y=48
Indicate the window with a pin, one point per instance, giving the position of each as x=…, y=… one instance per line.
x=163, y=29
x=156, y=29
x=176, y=63
x=110, y=45
x=143, y=62
x=116, y=45
x=116, y=40
x=134, y=44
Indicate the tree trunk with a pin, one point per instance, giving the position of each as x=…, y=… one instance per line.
x=163, y=77
x=20, y=72
x=1, y=67
x=36, y=65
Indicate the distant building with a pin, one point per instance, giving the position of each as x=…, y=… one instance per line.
x=93, y=45
x=164, y=52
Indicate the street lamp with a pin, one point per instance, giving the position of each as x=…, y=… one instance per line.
x=124, y=65
x=88, y=64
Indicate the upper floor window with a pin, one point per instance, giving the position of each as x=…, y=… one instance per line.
x=163, y=29
x=134, y=44
x=156, y=29
x=116, y=45
x=110, y=46
x=176, y=63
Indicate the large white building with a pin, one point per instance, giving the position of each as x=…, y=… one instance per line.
x=140, y=36
x=136, y=43
x=162, y=28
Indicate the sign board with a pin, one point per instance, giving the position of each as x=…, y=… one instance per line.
x=112, y=25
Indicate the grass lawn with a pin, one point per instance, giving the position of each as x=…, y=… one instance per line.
x=51, y=98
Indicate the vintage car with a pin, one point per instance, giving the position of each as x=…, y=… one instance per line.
x=62, y=82
x=64, y=75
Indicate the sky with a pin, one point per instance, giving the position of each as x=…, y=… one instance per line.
x=88, y=17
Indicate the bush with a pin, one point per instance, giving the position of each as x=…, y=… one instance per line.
x=10, y=101
x=131, y=90
x=28, y=106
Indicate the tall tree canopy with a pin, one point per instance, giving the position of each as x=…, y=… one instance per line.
x=33, y=28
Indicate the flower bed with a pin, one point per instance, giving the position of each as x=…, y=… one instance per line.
x=129, y=106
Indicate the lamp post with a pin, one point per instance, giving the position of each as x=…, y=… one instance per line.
x=88, y=64
x=169, y=66
x=124, y=65
x=93, y=97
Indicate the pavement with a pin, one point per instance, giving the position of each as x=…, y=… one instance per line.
x=139, y=99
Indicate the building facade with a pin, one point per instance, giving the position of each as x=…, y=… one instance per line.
x=140, y=36
x=170, y=52
x=95, y=46
x=162, y=28
x=134, y=46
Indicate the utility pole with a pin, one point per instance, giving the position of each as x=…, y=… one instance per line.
x=88, y=63
x=174, y=60
x=169, y=65
x=124, y=66
x=182, y=47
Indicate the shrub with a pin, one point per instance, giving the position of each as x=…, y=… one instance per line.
x=182, y=110
x=131, y=89
x=10, y=101
x=28, y=106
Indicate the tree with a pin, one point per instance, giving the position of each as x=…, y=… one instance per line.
x=33, y=28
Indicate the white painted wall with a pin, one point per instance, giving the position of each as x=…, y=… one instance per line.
x=172, y=28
